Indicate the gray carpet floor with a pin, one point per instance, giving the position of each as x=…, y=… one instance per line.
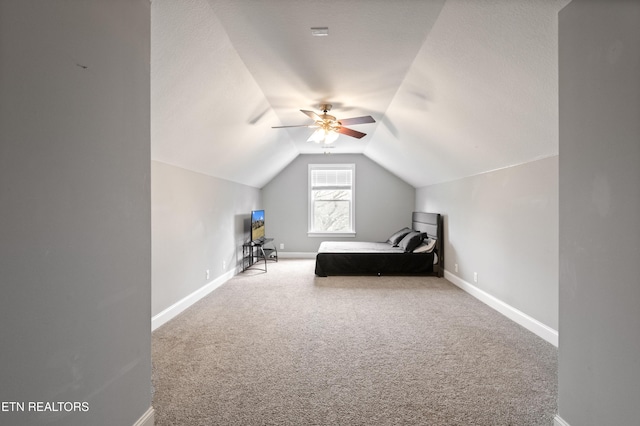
x=288, y=348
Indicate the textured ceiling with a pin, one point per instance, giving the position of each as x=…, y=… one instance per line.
x=457, y=87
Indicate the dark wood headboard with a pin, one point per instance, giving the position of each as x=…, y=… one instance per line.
x=431, y=224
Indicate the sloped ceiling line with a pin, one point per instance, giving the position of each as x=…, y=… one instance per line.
x=456, y=87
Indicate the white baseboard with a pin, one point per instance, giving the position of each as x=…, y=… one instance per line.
x=147, y=419
x=558, y=421
x=175, y=309
x=296, y=255
x=531, y=324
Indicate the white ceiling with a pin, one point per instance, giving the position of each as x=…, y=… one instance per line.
x=457, y=87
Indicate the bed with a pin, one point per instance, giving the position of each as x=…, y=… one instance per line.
x=418, y=250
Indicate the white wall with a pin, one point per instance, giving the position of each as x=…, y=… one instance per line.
x=383, y=202
x=599, y=361
x=199, y=222
x=75, y=243
x=504, y=226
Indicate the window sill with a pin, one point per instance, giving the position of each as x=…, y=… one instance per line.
x=331, y=234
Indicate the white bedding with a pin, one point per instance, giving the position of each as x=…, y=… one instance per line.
x=357, y=247
x=362, y=247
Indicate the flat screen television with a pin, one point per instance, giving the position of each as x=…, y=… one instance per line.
x=257, y=225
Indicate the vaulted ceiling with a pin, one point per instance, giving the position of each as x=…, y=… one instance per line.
x=457, y=87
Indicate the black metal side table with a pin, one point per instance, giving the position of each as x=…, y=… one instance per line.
x=255, y=251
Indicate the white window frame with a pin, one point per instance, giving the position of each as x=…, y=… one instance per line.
x=351, y=232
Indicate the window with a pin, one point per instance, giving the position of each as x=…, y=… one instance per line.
x=331, y=195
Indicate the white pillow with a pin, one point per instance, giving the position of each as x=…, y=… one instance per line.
x=426, y=246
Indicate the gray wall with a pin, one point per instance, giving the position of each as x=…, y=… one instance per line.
x=599, y=354
x=383, y=205
x=504, y=226
x=75, y=240
x=199, y=223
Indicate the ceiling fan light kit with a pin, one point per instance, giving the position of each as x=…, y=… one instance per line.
x=329, y=128
x=323, y=136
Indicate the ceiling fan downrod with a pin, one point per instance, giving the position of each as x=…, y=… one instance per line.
x=326, y=117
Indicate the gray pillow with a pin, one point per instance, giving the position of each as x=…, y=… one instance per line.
x=398, y=236
x=411, y=241
x=426, y=246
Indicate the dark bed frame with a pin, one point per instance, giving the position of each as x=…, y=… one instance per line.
x=354, y=263
x=431, y=224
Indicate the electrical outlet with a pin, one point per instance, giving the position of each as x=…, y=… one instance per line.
x=206, y=274
x=455, y=267
x=475, y=277
x=281, y=246
x=224, y=265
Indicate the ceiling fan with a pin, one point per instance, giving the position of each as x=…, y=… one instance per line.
x=328, y=127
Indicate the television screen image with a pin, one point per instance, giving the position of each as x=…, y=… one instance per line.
x=257, y=225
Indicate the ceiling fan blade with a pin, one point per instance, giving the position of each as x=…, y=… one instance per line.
x=299, y=125
x=357, y=120
x=351, y=132
x=312, y=115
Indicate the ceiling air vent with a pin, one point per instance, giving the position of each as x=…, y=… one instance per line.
x=319, y=31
